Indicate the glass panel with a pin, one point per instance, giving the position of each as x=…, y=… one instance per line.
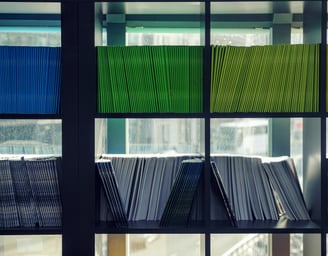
x=149, y=136
x=243, y=136
x=265, y=244
x=30, y=24
x=264, y=22
x=20, y=245
x=296, y=145
x=149, y=245
x=151, y=23
x=240, y=37
x=30, y=137
x=239, y=244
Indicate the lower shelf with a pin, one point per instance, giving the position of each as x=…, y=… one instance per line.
x=281, y=226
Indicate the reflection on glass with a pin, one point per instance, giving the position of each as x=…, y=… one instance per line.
x=226, y=28
x=22, y=36
x=176, y=24
x=239, y=244
x=21, y=245
x=240, y=136
x=296, y=145
x=240, y=37
x=41, y=25
x=30, y=137
x=148, y=136
x=172, y=37
x=265, y=244
x=149, y=245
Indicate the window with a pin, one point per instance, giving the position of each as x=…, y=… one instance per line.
x=21, y=245
x=30, y=137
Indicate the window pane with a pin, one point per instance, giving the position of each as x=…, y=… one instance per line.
x=40, y=24
x=42, y=137
x=239, y=244
x=150, y=23
x=43, y=245
x=245, y=136
x=149, y=245
x=265, y=244
x=148, y=136
x=166, y=37
x=240, y=37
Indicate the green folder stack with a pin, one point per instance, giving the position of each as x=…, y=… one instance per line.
x=275, y=78
x=146, y=79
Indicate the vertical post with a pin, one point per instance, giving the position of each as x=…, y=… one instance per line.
x=116, y=28
x=279, y=140
x=312, y=166
x=207, y=131
x=86, y=123
x=280, y=244
x=279, y=137
x=281, y=29
x=312, y=126
x=279, y=128
x=312, y=22
x=117, y=245
x=323, y=108
x=70, y=139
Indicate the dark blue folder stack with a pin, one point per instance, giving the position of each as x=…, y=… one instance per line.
x=30, y=80
x=179, y=204
x=30, y=193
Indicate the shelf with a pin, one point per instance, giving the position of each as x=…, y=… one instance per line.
x=31, y=231
x=150, y=115
x=147, y=227
x=281, y=226
x=81, y=25
x=30, y=116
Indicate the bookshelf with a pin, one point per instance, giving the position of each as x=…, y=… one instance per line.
x=81, y=29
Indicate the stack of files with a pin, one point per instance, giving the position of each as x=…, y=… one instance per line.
x=44, y=183
x=219, y=192
x=30, y=80
x=178, y=206
x=153, y=181
x=150, y=79
x=247, y=187
x=145, y=183
x=29, y=193
x=28, y=212
x=107, y=176
x=273, y=78
x=261, y=189
x=8, y=211
x=283, y=177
